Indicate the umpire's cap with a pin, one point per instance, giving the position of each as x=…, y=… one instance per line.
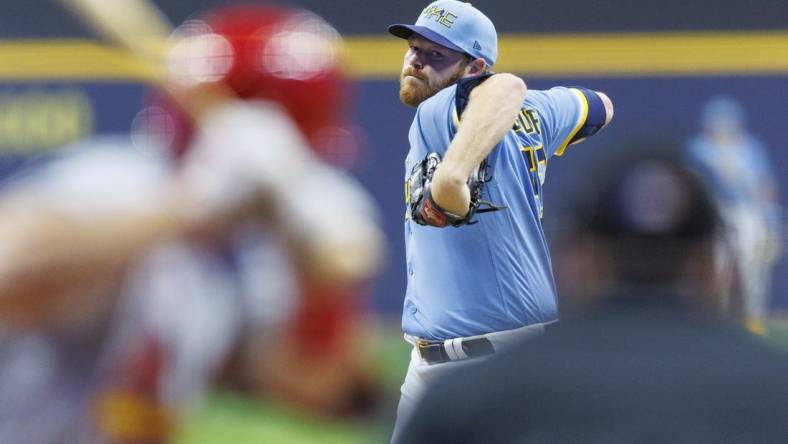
x=455, y=25
x=650, y=195
x=649, y=212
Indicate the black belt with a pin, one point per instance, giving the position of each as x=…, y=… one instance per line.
x=435, y=352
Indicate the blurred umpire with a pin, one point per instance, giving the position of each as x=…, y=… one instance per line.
x=653, y=356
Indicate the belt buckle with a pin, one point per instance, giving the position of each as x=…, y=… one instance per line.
x=423, y=346
x=430, y=351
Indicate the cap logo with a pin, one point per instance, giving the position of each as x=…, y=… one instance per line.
x=441, y=16
x=476, y=45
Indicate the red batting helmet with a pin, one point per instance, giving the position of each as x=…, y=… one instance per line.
x=287, y=55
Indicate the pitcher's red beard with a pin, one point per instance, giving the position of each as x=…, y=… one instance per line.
x=414, y=89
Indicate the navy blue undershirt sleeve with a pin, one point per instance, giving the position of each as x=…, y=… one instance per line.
x=596, y=115
x=464, y=88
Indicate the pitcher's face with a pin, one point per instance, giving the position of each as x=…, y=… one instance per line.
x=428, y=68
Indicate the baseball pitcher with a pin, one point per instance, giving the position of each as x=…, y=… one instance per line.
x=478, y=267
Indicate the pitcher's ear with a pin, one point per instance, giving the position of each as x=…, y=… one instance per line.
x=477, y=66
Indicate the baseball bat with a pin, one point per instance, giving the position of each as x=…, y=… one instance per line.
x=137, y=25
x=142, y=28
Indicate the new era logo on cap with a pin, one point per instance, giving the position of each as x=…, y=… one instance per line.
x=476, y=45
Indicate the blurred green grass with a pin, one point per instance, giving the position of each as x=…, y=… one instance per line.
x=229, y=418
x=232, y=418
x=778, y=332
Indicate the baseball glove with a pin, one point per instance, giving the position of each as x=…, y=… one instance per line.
x=424, y=210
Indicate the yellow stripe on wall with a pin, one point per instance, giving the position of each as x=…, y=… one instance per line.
x=534, y=55
x=68, y=59
x=632, y=54
x=646, y=54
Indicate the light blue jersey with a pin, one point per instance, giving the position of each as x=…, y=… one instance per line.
x=496, y=274
x=739, y=173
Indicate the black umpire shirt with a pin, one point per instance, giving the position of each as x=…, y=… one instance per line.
x=643, y=372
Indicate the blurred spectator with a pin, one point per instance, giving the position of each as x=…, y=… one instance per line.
x=653, y=358
x=736, y=167
x=121, y=285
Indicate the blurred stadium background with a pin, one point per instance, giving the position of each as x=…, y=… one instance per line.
x=658, y=61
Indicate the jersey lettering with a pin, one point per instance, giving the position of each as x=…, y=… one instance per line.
x=528, y=123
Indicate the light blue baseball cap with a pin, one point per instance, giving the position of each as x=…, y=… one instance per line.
x=455, y=25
